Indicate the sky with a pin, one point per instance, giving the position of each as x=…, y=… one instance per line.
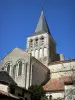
x=18, y=20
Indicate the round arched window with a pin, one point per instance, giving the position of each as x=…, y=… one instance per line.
x=19, y=68
x=31, y=43
x=8, y=68
x=42, y=40
x=8, y=65
x=36, y=42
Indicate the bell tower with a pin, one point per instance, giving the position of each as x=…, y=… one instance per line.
x=41, y=43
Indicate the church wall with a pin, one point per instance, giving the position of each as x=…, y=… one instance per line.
x=62, y=69
x=60, y=74
x=14, y=57
x=69, y=92
x=62, y=66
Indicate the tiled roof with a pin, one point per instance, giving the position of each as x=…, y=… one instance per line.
x=57, y=84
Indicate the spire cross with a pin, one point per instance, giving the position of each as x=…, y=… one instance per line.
x=42, y=7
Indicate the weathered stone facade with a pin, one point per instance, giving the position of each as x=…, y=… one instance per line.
x=32, y=71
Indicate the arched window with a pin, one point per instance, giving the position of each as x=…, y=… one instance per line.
x=19, y=68
x=8, y=65
x=36, y=42
x=14, y=71
x=8, y=68
x=42, y=40
x=31, y=43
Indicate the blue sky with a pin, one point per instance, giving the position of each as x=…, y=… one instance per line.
x=18, y=19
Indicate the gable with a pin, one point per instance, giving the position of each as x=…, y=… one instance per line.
x=14, y=55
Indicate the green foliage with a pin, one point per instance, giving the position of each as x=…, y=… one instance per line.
x=38, y=92
x=44, y=98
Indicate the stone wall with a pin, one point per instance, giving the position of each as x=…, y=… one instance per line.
x=40, y=73
x=62, y=69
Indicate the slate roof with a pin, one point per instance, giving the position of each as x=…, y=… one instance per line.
x=6, y=79
x=57, y=84
x=42, y=26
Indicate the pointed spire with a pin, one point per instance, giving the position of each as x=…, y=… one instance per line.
x=42, y=25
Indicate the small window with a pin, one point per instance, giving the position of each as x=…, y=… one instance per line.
x=20, y=68
x=36, y=42
x=42, y=40
x=8, y=68
x=31, y=43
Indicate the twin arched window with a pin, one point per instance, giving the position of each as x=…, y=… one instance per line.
x=8, y=67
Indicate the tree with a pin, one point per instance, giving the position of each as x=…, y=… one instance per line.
x=37, y=92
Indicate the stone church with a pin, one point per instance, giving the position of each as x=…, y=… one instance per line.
x=40, y=64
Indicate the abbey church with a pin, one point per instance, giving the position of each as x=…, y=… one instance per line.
x=40, y=63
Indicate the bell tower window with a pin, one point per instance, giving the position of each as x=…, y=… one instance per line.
x=31, y=43
x=41, y=40
x=36, y=42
